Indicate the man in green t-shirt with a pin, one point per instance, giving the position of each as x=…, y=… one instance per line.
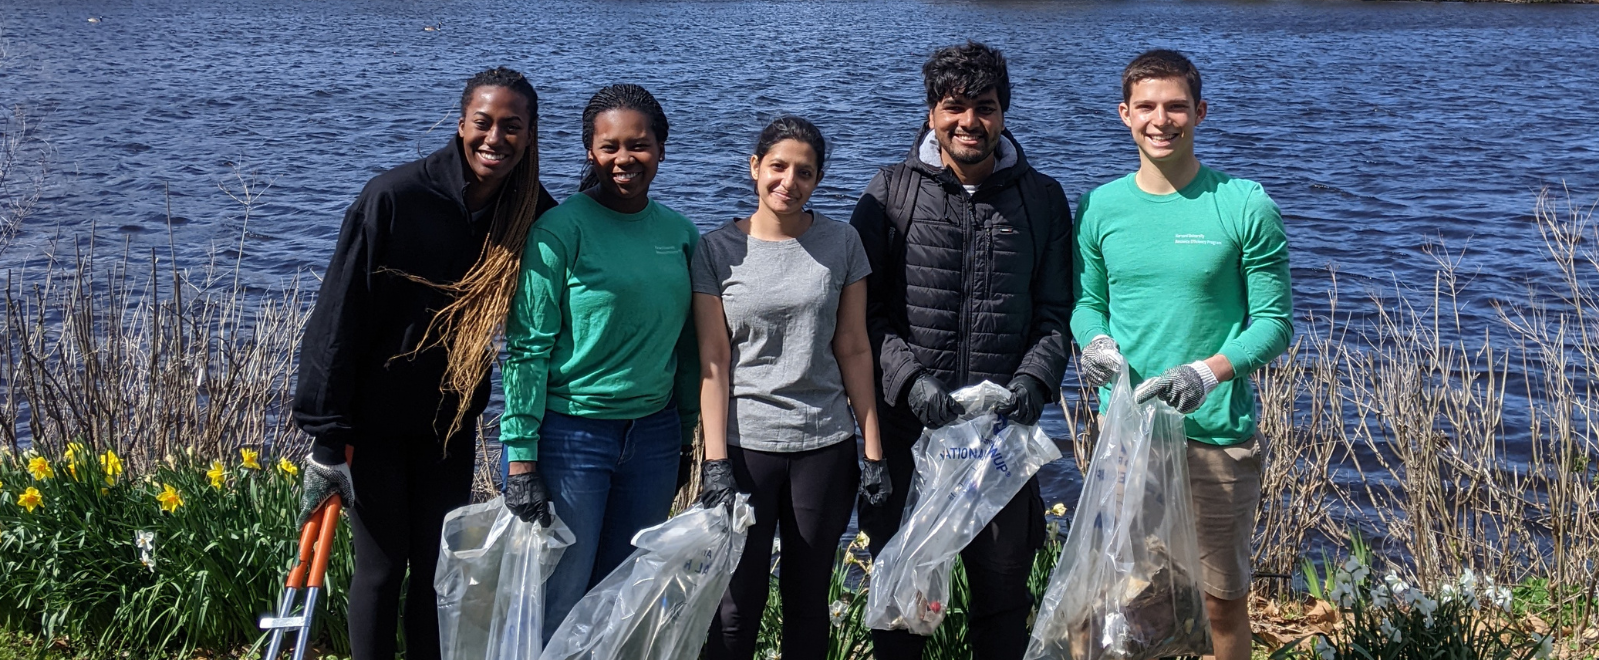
x=1183, y=273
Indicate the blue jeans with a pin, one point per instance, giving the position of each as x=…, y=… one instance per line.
x=608, y=479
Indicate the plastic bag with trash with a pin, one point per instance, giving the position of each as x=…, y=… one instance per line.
x=965, y=473
x=490, y=582
x=1128, y=586
x=658, y=604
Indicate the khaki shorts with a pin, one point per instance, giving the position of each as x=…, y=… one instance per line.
x=1226, y=490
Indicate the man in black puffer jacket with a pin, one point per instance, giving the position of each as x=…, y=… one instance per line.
x=970, y=282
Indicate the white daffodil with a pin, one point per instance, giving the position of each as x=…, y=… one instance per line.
x=1343, y=593
x=1500, y=597
x=772, y=654
x=1546, y=645
x=1426, y=606
x=1325, y=651
x=1391, y=631
x=1379, y=597
x=1448, y=593
x=836, y=611
x=1396, y=586
x=145, y=542
x=1356, y=569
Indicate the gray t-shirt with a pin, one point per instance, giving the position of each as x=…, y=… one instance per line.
x=781, y=303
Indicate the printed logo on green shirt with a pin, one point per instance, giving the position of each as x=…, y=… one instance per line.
x=1195, y=239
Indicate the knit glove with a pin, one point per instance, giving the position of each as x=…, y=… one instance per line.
x=1102, y=358
x=527, y=498
x=875, y=486
x=324, y=481
x=716, y=484
x=1182, y=387
x=1027, y=398
x=931, y=403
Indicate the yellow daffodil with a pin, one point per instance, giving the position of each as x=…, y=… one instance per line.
x=217, y=474
x=169, y=498
x=862, y=540
x=287, y=467
x=111, y=466
x=40, y=468
x=75, y=451
x=30, y=499
x=249, y=457
x=1058, y=510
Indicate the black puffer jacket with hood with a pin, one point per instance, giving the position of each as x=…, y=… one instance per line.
x=965, y=286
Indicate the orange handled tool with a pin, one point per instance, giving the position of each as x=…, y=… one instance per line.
x=316, y=544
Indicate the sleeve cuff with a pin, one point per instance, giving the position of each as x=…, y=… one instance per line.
x=521, y=452
x=328, y=451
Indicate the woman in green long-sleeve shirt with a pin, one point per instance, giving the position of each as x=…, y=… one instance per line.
x=599, y=399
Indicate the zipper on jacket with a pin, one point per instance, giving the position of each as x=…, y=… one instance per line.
x=963, y=339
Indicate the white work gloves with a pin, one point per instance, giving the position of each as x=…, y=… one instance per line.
x=1182, y=387
x=1100, y=362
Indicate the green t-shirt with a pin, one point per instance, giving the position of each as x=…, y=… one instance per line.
x=600, y=325
x=1181, y=277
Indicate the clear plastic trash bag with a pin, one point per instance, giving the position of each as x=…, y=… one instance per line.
x=965, y=473
x=658, y=604
x=490, y=582
x=1128, y=586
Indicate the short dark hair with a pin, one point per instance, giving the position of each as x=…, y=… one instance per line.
x=969, y=71
x=502, y=77
x=1158, y=64
x=789, y=127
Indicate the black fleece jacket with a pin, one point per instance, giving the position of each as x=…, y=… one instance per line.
x=977, y=286
x=358, y=383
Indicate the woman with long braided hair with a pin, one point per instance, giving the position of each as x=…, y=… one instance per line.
x=601, y=378
x=394, y=367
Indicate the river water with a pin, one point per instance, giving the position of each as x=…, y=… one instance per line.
x=1377, y=127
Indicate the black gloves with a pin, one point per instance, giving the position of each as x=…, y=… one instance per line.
x=931, y=402
x=1027, y=398
x=324, y=481
x=526, y=497
x=716, y=483
x=1182, y=387
x=875, y=486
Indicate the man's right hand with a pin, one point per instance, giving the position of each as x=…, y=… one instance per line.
x=931, y=403
x=527, y=498
x=324, y=481
x=1102, y=358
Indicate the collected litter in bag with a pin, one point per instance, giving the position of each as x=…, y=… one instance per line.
x=490, y=582
x=658, y=604
x=1128, y=583
x=965, y=473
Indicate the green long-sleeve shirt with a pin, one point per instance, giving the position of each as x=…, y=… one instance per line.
x=600, y=325
x=1181, y=277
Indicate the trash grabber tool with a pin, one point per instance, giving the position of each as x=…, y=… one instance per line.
x=309, y=573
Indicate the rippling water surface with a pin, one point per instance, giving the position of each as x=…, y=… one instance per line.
x=1378, y=127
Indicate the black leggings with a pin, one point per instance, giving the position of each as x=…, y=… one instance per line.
x=403, y=488
x=810, y=494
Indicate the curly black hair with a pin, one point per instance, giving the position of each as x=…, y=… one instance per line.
x=502, y=77
x=969, y=71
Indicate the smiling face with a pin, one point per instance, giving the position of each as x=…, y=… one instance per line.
x=494, y=128
x=968, y=128
x=1162, y=114
x=624, y=154
x=786, y=176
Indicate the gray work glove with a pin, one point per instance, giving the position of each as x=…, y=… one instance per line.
x=931, y=403
x=1027, y=398
x=527, y=498
x=1102, y=358
x=324, y=481
x=875, y=485
x=1183, y=387
x=716, y=484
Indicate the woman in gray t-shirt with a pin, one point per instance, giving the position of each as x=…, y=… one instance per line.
x=786, y=379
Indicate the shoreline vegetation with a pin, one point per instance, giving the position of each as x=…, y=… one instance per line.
x=152, y=512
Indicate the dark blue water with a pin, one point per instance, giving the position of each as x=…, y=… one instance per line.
x=1378, y=127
